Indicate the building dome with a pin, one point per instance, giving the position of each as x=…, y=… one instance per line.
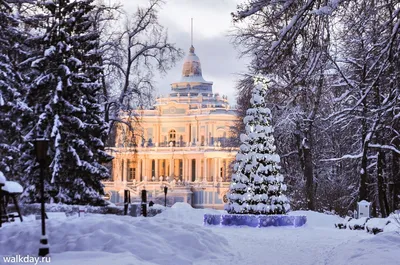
x=192, y=78
x=191, y=65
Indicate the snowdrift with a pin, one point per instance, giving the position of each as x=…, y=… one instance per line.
x=137, y=240
x=178, y=236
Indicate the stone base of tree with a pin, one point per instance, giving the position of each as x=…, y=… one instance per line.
x=254, y=220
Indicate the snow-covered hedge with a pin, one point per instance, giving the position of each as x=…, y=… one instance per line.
x=28, y=209
x=343, y=223
x=371, y=225
x=357, y=224
x=376, y=225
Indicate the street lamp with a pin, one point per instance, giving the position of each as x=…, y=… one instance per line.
x=165, y=193
x=2, y=183
x=41, y=146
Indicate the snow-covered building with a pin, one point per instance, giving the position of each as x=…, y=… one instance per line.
x=185, y=143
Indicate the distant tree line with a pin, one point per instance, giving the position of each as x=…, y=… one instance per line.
x=334, y=91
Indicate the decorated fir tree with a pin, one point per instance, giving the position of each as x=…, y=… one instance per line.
x=257, y=186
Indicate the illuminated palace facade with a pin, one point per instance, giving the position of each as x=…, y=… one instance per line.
x=185, y=145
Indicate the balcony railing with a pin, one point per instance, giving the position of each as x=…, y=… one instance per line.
x=137, y=185
x=175, y=148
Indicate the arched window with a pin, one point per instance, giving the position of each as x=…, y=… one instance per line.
x=172, y=137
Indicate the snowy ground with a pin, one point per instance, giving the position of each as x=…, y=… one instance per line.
x=178, y=236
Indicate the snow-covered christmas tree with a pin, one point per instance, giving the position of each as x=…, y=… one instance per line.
x=65, y=95
x=13, y=52
x=257, y=186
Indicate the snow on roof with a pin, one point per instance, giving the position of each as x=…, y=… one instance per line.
x=2, y=178
x=194, y=78
x=364, y=202
x=13, y=187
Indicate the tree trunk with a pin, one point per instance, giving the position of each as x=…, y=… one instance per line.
x=308, y=175
x=381, y=189
x=373, y=211
x=363, y=177
x=364, y=159
x=395, y=180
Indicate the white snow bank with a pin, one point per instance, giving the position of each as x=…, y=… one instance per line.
x=13, y=187
x=382, y=248
x=154, y=240
x=177, y=236
x=182, y=206
x=394, y=225
x=157, y=207
x=183, y=212
x=315, y=219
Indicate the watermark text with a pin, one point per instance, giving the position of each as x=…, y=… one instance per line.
x=19, y=259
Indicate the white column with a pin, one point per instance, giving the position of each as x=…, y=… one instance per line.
x=155, y=135
x=187, y=140
x=189, y=176
x=197, y=132
x=156, y=161
x=139, y=170
x=193, y=133
x=171, y=161
x=158, y=134
x=212, y=131
x=218, y=169
x=224, y=162
x=198, y=177
x=164, y=161
x=115, y=169
x=189, y=170
x=125, y=169
x=207, y=138
x=206, y=168
x=173, y=167
x=183, y=168
x=181, y=172
x=215, y=170
x=144, y=173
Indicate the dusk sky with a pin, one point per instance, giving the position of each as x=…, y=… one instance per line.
x=212, y=22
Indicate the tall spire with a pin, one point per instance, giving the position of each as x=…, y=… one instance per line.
x=191, y=30
x=191, y=50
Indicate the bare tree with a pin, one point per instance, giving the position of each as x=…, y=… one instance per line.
x=288, y=42
x=334, y=91
x=131, y=56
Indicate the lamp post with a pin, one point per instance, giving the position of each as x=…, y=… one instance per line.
x=165, y=193
x=41, y=146
x=1, y=204
x=2, y=183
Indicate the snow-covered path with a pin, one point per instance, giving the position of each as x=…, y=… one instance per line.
x=178, y=236
x=288, y=245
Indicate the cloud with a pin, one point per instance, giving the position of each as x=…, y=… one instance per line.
x=212, y=21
